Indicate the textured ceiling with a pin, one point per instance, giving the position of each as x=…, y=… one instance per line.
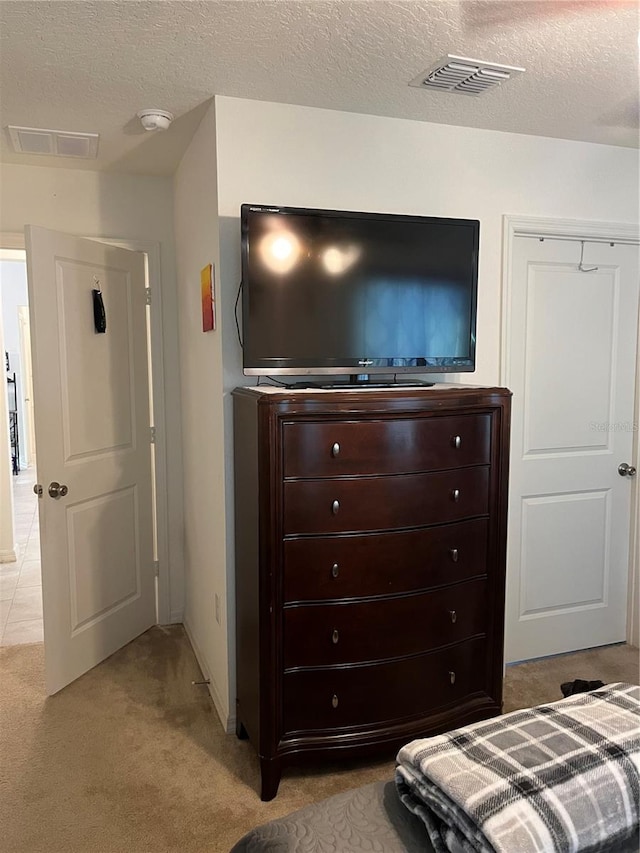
x=90, y=66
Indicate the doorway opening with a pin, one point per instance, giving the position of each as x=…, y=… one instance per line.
x=21, y=619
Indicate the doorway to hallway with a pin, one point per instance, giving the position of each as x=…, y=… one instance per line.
x=21, y=581
x=20, y=578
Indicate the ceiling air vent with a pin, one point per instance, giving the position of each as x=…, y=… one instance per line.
x=55, y=143
x=463, y=75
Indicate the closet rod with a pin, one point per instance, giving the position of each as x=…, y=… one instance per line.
x=616, y=241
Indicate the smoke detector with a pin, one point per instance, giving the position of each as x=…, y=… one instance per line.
x=465, y=76
x=55, y=143
x=155, y=119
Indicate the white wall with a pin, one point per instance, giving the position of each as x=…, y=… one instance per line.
x=196, y=230
x=96, y=204
x=633, y=630
x=289, y=155
x=281, y=154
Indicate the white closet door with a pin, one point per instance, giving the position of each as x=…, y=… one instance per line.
x=571, y=367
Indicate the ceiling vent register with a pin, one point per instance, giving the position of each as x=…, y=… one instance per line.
x=55, y=143
x=465, y=76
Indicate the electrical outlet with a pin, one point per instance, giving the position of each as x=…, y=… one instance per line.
x=217, y=606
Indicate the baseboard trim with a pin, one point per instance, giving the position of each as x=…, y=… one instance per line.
x=228, y=722
x=9, y=555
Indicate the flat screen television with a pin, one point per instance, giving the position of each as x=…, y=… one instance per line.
x=339, y=292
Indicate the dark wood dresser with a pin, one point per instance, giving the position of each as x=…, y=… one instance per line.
x=370, y=565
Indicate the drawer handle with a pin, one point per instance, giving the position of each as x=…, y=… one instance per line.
x=455, y=494
x=335, y=636
x=457, y=442
x=335, y=450
x=454, y=616
x=335, y=570
x=454, y=555
x=334, y=701
x=335, y=506
x=452, y=676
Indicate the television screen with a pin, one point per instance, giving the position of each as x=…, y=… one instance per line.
x=329, y=291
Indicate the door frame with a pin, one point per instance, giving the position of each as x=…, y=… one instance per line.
x=575, y=229
x=15, y=240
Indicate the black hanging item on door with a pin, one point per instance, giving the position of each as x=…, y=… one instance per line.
x=99, y=314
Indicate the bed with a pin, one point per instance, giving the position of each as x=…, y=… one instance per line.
x=370, y=818
x=558, y=778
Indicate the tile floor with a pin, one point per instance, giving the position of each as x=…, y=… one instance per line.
x=20, y=582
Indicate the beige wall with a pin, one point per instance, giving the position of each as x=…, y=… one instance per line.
x=95, y=204
x=196, y=229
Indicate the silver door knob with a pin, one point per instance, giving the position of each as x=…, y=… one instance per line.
x=453, y=552
x=453, y=616
x=335, y=450
x=455, y=494
x=335, y=507
x=37, y=490
x=335, y=637
x=457, y=442
x=334, y=701
x=57, y=491
x=452, y=676
x=335, y=570
x=626, y=470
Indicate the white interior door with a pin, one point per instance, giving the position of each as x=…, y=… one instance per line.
x=92, y=431
x=571, y=357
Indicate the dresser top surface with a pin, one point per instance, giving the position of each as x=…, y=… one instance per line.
x=392, y=391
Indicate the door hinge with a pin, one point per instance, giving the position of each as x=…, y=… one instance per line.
x=152, y=433
x=147, y=293
x=156, y=568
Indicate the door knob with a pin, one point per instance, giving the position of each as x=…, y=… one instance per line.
x=56, y=490
x=626, y=470
x=37, y=490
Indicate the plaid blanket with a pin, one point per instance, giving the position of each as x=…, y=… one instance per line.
x=558, y=777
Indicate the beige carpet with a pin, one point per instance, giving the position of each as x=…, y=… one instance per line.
x=133, y=758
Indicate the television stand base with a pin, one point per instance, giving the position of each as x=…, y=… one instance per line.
x=361, y=383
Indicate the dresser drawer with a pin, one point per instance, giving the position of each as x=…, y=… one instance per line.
x=327, y=699
x=384, y=503
x=355, y=632
x=359, y=566
x=333, y=449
